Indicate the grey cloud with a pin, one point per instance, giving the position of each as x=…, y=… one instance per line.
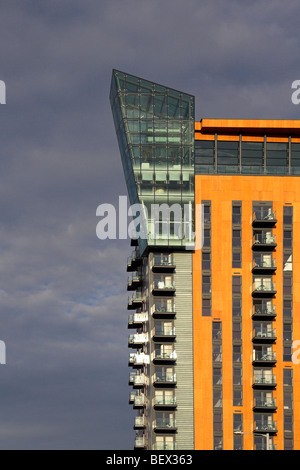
x=62, y=291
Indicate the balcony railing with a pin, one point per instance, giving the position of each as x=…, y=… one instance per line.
x=263, y=446
x=168, y=424
x=140, y=442
x=263, y=264
x=263, y=309
x=261, y=240
x=165, y=355
x=164, y=401
x=137, y=339
x=162, y=446
x=139, y=422
x=164, y=309
x=132, y=397
x=260, y=426
x=134, y=282
x=264, y=357
x=264, y=288
x=163, y=263
x=264, y=380
x=132, y=375
x=163, y=287
x=265, y=403
x=164, y=331
x=264, y=216
x=134, y=261
x=137, y=319
x=135, y=301
x=264, y=334
x=164, y=378
x=137, y=360
x=139, y=401
x=140, y=380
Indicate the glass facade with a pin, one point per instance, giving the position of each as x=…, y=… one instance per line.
x=243, y=157
x=155, y=129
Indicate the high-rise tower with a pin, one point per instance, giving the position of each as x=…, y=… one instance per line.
x=212, y=329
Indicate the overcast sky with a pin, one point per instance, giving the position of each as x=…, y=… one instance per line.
x=63, y=291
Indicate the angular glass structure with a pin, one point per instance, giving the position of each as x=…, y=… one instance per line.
x=155, y=130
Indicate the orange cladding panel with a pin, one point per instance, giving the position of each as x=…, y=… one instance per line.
x=221, y=191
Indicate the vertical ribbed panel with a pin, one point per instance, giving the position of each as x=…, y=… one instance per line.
x=184, y=350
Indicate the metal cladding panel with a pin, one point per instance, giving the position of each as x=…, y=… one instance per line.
x=184, y=350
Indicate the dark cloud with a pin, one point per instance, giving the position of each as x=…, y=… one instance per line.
x=62, y=291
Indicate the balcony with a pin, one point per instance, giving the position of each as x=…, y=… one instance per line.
x=137, y=340
x=138, y=360
x=133, y=262
x=139, y=422
x=264, y=335
x=260, y=358
x=165, y=425
x=164, y=357
x=264, y=217
x=264, y=381
x=134, y=282
x=139, y=402
x=261, y=427
x=263, y=242
x=263, y=265
x=263, y=446
x=137, y=320
x=139, y=381
x=264, y=289
x=164, y=310
x=264, y=404
x=131, y=378
x=140, y=443
x=163, y=263
x=164, y=380
x=131, y=397
x=164, y=446
x=163, y=288
x=263, y=311
x=164, y=334
x=134, y=302
x=164, y=403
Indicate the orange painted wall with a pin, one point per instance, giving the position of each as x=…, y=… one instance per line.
x=222, y=190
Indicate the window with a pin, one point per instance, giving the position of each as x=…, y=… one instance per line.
x=236, y=284
x=206, y=238
x=237, y=331
x=288, y=377
x=236, y=214
x=237, y=376
x=236, y=238
x=237, y=422
x=236, y=307
x=287, y=353
x=217, y=376
x=217, y=399
x=237, y=353
x=206, y=261
x=218, y=443
x=236, y=259
x=218, y=422
x=237, y=398
x=287, y=332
